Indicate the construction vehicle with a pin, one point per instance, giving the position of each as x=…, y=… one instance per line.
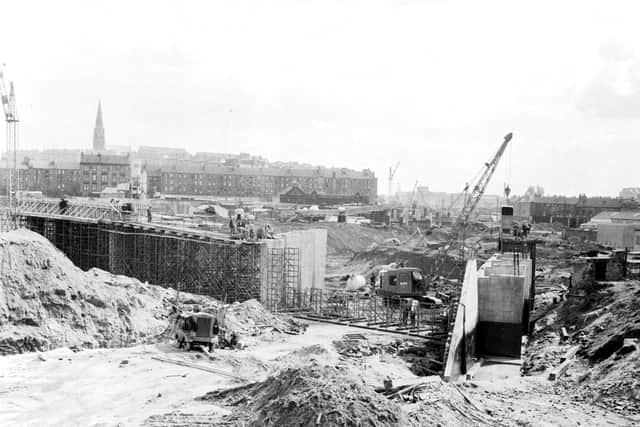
x=194, y=329
x=402, y=282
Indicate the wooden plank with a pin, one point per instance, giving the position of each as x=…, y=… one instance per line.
x=200, y=367
x=569, y=358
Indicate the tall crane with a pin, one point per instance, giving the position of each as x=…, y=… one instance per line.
x=392, y=173
x=471, y=200
x=11, y=117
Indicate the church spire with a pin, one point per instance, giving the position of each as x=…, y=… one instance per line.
x=98, y=132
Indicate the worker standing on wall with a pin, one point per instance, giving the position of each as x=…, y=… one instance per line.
x=63, y=205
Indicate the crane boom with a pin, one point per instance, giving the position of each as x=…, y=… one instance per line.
x=470, y=202
x=478, y=190
x=4, y=96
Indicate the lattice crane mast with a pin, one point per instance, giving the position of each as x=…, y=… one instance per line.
x=11, y=116
x=392, y=173
x=471, y=200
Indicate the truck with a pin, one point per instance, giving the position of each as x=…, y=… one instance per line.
x=193, y=329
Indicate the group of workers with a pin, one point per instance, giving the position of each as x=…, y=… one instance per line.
x=247, y=230
x=521, y=230
x=410, y=307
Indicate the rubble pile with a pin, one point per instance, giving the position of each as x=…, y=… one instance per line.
x=605, y=324
x=251, y=318
x=446, y=404
x=608, y=334
x=355, y=345
x=247, y=319
x=313, y=395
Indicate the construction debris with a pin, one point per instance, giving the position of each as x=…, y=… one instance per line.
x=309, y=396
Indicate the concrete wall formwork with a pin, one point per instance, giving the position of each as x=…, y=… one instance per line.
x=312, y=245
x=309, y=249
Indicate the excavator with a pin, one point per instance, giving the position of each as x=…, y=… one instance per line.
x=412, y=282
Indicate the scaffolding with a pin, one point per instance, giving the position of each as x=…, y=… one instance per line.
x=283, y=275
x=227, y=270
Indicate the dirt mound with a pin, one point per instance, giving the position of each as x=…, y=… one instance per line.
x=47, y=302
x=605, y=372
x=413, y=258
x=313, y=395
x=609, y=375
x=343, y=239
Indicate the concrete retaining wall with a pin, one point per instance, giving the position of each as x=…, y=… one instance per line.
x=503, y=295
x=462, y=343
x=312, y=245
x=312, y=258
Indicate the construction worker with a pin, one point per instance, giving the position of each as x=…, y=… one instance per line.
x=516, y=229
x=149, y=217
x=415, y=305
x=232, y=225
x=63, y=205
x=405, y=310
x=268, y=231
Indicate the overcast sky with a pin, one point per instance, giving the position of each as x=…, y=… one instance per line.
x=432, y=84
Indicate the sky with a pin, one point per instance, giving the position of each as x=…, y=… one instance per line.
x=432, y=84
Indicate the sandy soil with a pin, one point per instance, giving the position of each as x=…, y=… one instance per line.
x=109, y=387
x=95, y=387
